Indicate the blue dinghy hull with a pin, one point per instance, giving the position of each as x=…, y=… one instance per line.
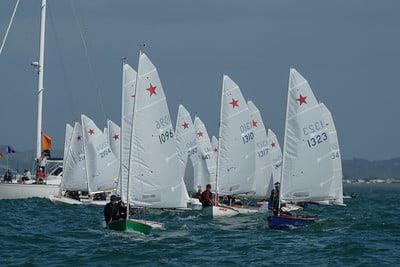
x=287, y=222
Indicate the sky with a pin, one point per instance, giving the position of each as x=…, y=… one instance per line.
x=348, y=50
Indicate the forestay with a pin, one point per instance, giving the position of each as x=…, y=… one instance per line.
x=236, y=159
x=206, y=171
x=186, y=146
x=337, y=184
x=307, y=168
x=101, y=164
x=74, y=168
x=263, y=161
x=114, y=140
x=128, y=102
x=153, y=173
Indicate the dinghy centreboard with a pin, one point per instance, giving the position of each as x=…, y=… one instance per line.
x=307, y=170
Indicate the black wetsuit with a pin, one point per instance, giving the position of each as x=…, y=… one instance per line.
x=110, y=212
x=274, y=200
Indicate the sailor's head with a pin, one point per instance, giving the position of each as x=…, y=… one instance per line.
x=208, y=187
x=199, y=188
x=277, y=184
x=113, y=198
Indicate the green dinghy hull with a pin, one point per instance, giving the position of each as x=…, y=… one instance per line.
x=130, y=225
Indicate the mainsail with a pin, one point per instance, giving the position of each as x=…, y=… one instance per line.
x=206, y=170
x=128, y=102
x=337, y=184
x=101, y=164
x=68, y=134
x=236, y=159
x=186, y=146
x=275, y=153
x=153, y=173
x=263, y=161
x=74, y=168
x=307, y=171
x=113, y=135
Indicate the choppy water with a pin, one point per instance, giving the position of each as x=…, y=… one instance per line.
x=366, y=232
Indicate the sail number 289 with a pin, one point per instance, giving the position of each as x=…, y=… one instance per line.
x=318, y=139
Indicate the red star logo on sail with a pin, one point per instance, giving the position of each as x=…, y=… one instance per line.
x=302, y=100
x=91, y=131
x=79, y=138
x=254, y=123
x=116, y=137
x=273, y=144
x=234, y=103
x=152, y=89
x=185, y=125
x=199, y=134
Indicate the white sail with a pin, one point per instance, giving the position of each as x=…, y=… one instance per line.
x=337, y=184
x=74, y=168
x=186, y=146
x=68, y=134
x=206, y=171
x=128, y=102
x=263, y=161
x=275, y=153
x=105, y=132
x=307, y=169
x=153, y=172
x=101, y=165
x=236, y=159
x=114, y=141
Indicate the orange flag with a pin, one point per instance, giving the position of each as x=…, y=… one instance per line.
x=46, y=142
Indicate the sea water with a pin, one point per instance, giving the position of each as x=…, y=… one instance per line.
x=366, y=232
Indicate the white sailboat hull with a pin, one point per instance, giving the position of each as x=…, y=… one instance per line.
x=22, y=191
x=219, y=211
x=71, y=201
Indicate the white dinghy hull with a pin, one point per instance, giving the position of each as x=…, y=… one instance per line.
x=22, y=191
x=219, y=211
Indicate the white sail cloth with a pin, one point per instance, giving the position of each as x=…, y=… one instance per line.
x=74, y=168
x=275, y=153
x=128, y=101
x=236, y=159
x=206, y=171
x=307, y=168
x=263, y=160
x=153, y=172
x=337, y=184
x=114, y=140
x=101, y=165
x=68, y=134
x=186, y=147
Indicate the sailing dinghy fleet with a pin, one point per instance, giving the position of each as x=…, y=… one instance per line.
x=152, y=165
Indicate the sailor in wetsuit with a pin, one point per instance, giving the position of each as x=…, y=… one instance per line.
x=207, y=197
x=274, y=199
x=114, y=210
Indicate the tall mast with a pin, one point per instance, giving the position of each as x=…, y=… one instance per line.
x=219, y=137
x=284, y=146
x=40, y=68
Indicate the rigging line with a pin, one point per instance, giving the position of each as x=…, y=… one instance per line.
x=9, y=27
x=85, y=46
x=63, y=68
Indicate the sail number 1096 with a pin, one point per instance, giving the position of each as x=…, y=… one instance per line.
x=165, y=136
